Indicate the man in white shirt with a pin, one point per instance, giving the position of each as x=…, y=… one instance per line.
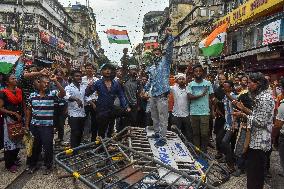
x=75, y=96
x=90, y=106
x=181, y=106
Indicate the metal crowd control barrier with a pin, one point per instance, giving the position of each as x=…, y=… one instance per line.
x=129, y=160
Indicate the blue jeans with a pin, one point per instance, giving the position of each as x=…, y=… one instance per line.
x=160, y=114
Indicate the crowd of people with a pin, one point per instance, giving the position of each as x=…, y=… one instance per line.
x=243, y=114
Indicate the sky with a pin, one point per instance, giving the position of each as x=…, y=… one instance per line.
x=128, y=13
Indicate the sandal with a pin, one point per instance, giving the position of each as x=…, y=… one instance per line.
x=13, y=169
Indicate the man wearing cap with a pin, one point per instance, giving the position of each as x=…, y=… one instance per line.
x=181, y=111
x=107, y=89
x=158, y=82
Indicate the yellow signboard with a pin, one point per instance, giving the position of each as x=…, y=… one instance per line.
x=250, y=9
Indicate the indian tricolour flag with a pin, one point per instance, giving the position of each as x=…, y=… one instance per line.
x=117, y=36
x=8, y=59
x=214, y=43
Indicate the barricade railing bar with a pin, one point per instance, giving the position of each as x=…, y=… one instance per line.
x=127, y=161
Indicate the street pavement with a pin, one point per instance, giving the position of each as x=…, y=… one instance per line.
x=40, y=181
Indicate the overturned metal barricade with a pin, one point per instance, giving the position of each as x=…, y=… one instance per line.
x=130, y=160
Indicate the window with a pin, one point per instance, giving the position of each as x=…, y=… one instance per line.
x=203, y=12
x=29, y=18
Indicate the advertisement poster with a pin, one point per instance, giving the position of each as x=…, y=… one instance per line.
x=271, y=32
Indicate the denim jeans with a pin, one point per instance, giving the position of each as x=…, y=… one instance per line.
x=160, y=114
x=43, y=139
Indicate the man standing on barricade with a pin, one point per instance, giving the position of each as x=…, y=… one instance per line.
x=159, y=74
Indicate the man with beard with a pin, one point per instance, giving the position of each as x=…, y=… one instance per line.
x=180, y=110
x=159, y=74
x=219, y=113
x=132, y=90
x=75, y=95
x=107, y=89
x=199, y=93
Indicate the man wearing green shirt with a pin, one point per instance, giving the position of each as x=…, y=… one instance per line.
x=199, y=93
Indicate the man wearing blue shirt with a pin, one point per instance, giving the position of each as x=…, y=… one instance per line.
x=159, y=74
x=107, y=89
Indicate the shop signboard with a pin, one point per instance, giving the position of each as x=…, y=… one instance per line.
x=51, y=40
x=267, y=56
x=248, y=53
x=271, y=32
x=250, y=9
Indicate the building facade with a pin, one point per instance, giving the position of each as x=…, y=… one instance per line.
x=151, y=23
x=255, y=38
x=45, y=29
x=176, y=12
x=40, y=27
x=194, y=27
x=86, y=38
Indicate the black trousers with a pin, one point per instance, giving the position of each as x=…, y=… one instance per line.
x=43, y=139
x=131, y=117
x=10, y=157
x=105, y=125
x=148, y=119
x=77, y=128
x=59, y=121
x=183, y=124
x=255, y=169
x=94, y=127
x=141, y=114
x=1, y=133
x=219, y=131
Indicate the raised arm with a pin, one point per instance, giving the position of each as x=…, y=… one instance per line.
x=169, y=49
x=62, y=92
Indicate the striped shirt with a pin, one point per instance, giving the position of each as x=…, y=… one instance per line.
x=43, y=108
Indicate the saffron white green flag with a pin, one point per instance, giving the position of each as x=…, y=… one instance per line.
x=213, y=45
x=8, y=59
x=117, y=36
